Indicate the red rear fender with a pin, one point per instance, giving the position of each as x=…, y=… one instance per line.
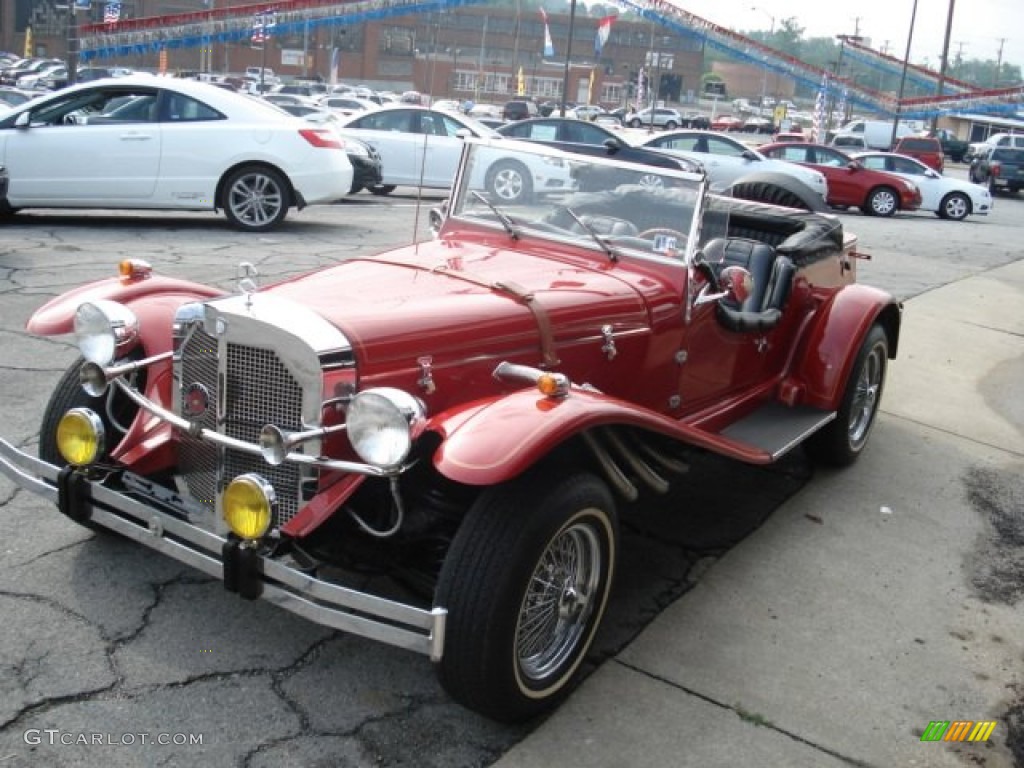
x=834, y=340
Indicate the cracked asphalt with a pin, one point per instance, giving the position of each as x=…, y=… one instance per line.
x=106, y=643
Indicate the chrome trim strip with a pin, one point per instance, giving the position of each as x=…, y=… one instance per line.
x=217, y=438
x=17, y=466
x=332, y=605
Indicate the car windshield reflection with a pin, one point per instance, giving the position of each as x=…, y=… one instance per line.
x=593, y=202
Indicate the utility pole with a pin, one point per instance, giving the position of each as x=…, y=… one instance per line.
x=903, y=77
x=999, y=61
x=945, y=60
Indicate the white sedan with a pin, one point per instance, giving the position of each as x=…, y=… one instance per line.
x=726, y=160
x=949, y=198
x=168, y=144
x=421, y=147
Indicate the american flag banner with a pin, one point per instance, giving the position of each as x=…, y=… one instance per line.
x=818, y=127
x=261, y=26
x=549, y=47
x=604, y=30
x=111, y=13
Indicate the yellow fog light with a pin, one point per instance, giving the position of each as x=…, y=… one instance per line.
x=80, y=437
x=249, y=506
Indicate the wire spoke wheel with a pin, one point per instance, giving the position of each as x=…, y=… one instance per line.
x=558, y=602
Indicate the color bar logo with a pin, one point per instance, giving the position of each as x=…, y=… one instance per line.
x=958, y=730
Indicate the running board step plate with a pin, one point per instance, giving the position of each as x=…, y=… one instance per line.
x=776, y=428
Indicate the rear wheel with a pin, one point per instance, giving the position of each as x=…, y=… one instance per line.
x=510, y=182
x=382, y=189
x=841, y=442
x=635, y=123
x=526, y=582
x=882, y=201
x=256, y=198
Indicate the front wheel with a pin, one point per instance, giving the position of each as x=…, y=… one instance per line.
x=635, y=123
x=256, y=198
x=882, y=201
x=382, y=190
x=842, y=441
x=526, y=582
x=955, y=206
x=671, y=125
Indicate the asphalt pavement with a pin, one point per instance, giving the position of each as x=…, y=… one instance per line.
x=864, y=605
x=876, y=600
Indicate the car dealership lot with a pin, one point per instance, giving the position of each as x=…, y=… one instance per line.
x=101, y=637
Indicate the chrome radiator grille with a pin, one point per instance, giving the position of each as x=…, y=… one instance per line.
x=259, y=390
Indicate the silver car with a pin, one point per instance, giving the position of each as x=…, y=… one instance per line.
x=725, y=160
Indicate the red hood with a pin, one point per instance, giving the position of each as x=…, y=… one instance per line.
x=440, y=298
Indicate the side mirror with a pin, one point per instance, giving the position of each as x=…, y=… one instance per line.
x=854, y=165
x=748, y=155
x=23, y=120
x=436, y=217
x=736, y=284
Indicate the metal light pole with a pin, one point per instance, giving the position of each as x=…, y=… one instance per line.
x=945, y=60
x=568, y=55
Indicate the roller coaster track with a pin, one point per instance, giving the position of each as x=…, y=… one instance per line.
x=289, y=17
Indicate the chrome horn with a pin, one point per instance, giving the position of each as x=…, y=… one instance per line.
x=276, y=443
x=95, y=378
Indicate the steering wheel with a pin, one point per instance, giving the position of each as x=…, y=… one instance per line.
x=655, y=232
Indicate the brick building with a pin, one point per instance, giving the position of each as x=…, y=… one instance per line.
x=478, y=51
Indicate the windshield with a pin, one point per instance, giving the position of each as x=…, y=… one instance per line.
x=599, y=203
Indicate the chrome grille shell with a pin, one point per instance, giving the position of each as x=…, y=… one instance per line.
x=251, y=360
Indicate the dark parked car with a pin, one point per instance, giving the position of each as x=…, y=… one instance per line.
x=367, y=170
x=519, y=109
x=582, y=137
x=850, y=184
x=1001, y=168
x=438, y=446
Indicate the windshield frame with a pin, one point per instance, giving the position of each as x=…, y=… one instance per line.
x=689, y=185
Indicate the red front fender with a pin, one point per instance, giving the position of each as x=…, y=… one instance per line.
x=832, y=344
x=492, y=441
x=56, y=317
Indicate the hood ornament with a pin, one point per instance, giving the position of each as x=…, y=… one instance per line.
x=247, y=275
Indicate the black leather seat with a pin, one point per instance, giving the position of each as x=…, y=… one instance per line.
x=772, y=277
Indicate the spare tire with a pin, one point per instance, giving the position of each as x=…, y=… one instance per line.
x=777, y=189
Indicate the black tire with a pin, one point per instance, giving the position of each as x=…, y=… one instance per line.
x=777, y=189
x=671, y=125
x=256, y=198
x=509, y=182
x=68, y=394
x=382, y=190
x=635, y=123
x=355, y=188
x=957, y=158
x=842, y=441
x=955, y=206
x=526, y=554
x=882, y=201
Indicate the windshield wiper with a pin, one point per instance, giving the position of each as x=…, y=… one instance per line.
x=510, y=226
x=606, y=246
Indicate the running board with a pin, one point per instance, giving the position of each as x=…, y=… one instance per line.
x=776, y=428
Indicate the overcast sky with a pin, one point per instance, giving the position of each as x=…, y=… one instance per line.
x=980, y=25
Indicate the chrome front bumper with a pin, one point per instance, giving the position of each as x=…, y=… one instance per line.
x=322, y=602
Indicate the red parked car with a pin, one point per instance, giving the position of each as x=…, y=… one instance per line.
x=467, y=417
x=924, y=148
x=851, y=185
x=726, y=123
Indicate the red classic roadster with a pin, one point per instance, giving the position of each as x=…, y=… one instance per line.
x=463, y=415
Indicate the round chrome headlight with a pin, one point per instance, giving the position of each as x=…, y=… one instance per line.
x=103, y=329
x=80, y=437
x=379, y=425
x=248, y=506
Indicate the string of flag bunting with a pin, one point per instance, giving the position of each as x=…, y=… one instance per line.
x=117, y=36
